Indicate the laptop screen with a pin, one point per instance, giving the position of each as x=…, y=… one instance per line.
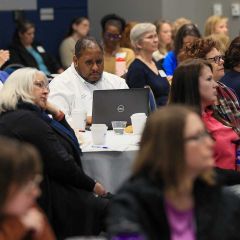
x=119, y=104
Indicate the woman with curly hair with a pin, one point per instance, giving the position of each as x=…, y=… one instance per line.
x=226, y=108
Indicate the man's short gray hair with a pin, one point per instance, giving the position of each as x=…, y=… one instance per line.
x=139, y=30
x=18, y=87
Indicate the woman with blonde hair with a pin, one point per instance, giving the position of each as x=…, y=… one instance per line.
x=172, y=193
x=164, y=31
x=222, y=41
x=216, y=24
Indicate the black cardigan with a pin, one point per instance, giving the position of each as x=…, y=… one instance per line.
x=60, y=158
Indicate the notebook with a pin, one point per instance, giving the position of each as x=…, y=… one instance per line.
x=119, y=104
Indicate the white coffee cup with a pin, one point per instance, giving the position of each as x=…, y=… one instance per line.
x=138, y=122
x=99, y=132
x=79, y=118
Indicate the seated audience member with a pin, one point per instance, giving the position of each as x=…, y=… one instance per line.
x=232, y=67
x=68, y=194
x=227, y=106
x=172, y=193
x=193, y=85
x=4, y=57
x=73, y=89
x=78, y=29
x=164, y=32
x=112, y=29
x=222, y=41
x=177, y=24
x=20, y=175
x=144, y=71
x=216, y=25
x=25, y=51
x=125, y=40
x=186, y=34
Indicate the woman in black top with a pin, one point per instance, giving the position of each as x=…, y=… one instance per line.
x=68, y=194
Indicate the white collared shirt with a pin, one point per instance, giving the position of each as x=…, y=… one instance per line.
x=70, y=91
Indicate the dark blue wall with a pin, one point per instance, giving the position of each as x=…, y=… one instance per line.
x=49, y=33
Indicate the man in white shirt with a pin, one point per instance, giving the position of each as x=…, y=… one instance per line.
x=73, y=89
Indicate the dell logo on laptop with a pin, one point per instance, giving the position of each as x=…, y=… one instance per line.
x=120, y=108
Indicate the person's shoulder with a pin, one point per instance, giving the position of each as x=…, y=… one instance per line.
x=68, y=41
x=170, y=54
x=106, y=76
x=127, y=50
x=63, y=78
x=136, y=63
x=231, y=195
x=140, y=186
x=20, y=116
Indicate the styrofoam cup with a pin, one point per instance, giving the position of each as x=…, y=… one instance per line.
x=79, y=118
x=138, y=122
x=99, y=132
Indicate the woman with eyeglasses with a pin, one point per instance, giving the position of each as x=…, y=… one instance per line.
x=227, y=106
x=173, y=193
x=232, y=67
x=193, y=85
x=71, y=199
x=116, y=58
x=20, y=176
x=144, y=71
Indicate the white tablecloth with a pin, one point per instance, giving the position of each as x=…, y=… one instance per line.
x=125, y=142
x=109, y=164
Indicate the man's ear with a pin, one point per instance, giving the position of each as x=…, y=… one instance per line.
x=75, y=61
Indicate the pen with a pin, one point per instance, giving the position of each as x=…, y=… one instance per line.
x=96, y=146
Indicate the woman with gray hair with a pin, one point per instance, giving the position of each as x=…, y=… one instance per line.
x=67, y=192
x=144, y=71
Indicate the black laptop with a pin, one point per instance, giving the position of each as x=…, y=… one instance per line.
x=119, y=104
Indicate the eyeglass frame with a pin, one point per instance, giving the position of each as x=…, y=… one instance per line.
x=112, y=36
x=199, y=136
x=217, y=58
x=41, y=84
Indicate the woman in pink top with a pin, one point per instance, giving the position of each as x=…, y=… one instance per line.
x=172, y=194
x=193, y=85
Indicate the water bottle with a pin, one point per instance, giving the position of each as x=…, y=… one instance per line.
x=238, y=160
x=120, y=64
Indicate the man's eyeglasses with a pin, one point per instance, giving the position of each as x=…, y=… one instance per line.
x=41, y=85
x=198, y=137
x=217, y=59
x=112, y=36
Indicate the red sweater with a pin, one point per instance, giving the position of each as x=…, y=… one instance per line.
x=225, y=150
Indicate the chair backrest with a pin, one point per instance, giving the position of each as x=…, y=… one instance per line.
x=12, y=67
x=152, y=101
